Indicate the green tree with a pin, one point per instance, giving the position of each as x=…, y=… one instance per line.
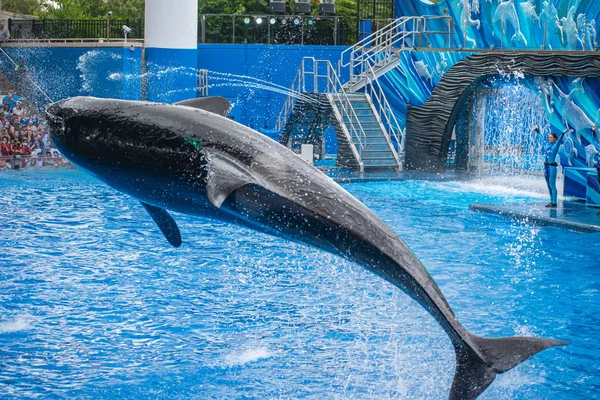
x=29, y=7
x=233, y=6
x=64, y=9
x=132, y=9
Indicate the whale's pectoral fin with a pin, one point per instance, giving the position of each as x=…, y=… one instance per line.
x=215, y=104
x=225, y=175
x=165, y=222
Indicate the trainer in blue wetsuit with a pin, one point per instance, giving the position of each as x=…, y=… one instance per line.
x=550, y=164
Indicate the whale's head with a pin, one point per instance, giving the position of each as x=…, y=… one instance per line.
x=109, y=137
x=88, y=131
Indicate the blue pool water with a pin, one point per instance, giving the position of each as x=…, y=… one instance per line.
x=95, y=304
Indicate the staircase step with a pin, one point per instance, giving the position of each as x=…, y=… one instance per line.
x=379, y=163
x=361, y=120
x=377, y=147
x=367, y=153
x=371, y=138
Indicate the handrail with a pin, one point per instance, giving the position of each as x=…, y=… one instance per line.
x=379, y=48
x=386, y=114
x=335, y=87
x=202, y=83
x=290, y=100
x=129, y=41
x=31, y=80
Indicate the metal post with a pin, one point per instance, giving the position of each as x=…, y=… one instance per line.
x=315, y=79
x=144, y=76
x=108, y=27
x=203, y=28
x=233, y=38
x=268, y=32
x=335, y=30
x=302, y=30
x=584, y=33
x=425, y=32
x=544, y=41
x=502, y=38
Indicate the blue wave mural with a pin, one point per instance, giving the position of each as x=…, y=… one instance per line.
x=510, y=25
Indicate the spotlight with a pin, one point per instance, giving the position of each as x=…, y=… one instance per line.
x=277, y=6
x=283, y=21
x=302, y=7
x=297, y=21
x=327, y=7
x=272, y=21
x=258, y=20
x=246, y=20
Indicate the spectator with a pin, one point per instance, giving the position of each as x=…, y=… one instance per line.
x=6, y=110
x=5, y=147
x=46, y=139
x=24, y=139
x=21, y=75
x=12, y=99
x=18, y=110
x=4, y=33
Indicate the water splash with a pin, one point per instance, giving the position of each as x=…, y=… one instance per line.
x=17, y=325
x=507, y=142
x=90, y=67
x=247, y=356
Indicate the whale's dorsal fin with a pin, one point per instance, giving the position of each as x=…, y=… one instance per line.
x=165, y=222
x=225, y=175
x=215, y=104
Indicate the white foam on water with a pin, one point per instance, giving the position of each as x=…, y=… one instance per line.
x=506, y=186
x=247, y=356
x=17, y=325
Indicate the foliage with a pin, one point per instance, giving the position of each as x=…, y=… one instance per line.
x=93, y=9
x=29, y=7
x=233, y=6
x=220, y=29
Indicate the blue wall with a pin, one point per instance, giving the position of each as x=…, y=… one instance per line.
x=82, y=71
x=269, y=65
x=171, y=74
x=237, y=72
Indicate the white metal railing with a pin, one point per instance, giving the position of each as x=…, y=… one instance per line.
x=26, y=161
x=382, y=47
x=391, y=127
x=28, y=77
x=335, y=88
x=202, y=83
x=296, y=88
x=319, y=76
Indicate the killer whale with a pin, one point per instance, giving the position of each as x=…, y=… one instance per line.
x=189, y=160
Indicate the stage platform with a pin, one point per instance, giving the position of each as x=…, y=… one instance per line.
x=568, y=215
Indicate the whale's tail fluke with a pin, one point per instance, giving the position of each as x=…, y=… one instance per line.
x=473, y=374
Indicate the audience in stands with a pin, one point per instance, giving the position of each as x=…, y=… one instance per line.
x=25, y=139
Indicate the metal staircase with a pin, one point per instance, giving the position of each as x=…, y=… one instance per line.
x=375, y=149
x=369, y=135
x=379, y=52
x=306, y=123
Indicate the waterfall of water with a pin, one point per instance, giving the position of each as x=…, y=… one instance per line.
x=503, y=141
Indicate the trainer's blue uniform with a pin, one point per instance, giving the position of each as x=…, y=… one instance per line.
x=551, y=167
